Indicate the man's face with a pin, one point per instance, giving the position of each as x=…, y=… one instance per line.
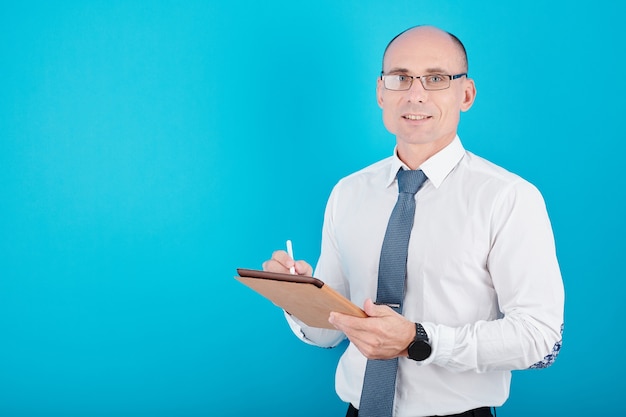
x=418, y=116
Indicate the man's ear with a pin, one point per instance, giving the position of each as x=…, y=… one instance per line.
x=379, y=92
x=469, y=94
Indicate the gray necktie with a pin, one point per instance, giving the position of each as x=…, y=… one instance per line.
x=380, y=375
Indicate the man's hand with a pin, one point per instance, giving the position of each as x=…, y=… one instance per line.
x=281, y=262
x=385, y=334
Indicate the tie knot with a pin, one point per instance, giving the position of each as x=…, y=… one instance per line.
x=410, y=181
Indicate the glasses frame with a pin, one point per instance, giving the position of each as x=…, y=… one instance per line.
x=422, y=80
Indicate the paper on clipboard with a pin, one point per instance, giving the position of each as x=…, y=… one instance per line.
x=304, y=297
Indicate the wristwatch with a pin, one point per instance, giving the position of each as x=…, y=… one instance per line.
x=419, y=349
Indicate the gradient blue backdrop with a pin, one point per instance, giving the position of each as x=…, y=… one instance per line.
x=148, y=149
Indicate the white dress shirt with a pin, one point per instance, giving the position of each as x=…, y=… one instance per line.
x=482, y=278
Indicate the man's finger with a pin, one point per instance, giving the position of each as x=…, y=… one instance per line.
x=346, y=322
x=377, y=310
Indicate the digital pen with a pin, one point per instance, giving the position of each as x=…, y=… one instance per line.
x=292, y=270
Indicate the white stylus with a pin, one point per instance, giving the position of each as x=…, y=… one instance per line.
x=292, y=270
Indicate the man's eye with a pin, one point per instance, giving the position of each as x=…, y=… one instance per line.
x=435, y=79
x=402, y=78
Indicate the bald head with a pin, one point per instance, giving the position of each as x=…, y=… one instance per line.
x=423, y=34
x=424, y=119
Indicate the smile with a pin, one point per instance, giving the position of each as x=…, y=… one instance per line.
x=415, y=116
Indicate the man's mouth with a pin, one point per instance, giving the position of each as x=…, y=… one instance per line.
x=415, y=116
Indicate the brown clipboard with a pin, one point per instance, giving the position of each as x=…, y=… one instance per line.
x=304, y=297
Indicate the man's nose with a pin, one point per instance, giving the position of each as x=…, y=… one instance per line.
x=417, y=93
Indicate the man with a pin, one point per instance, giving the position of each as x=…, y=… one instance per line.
x=483, y=293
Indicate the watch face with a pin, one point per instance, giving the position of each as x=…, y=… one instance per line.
x=419, y=350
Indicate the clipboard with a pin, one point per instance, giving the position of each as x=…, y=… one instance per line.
x=304, y=297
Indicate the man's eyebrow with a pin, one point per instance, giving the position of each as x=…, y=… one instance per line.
x=436, y=70
x=399, y=70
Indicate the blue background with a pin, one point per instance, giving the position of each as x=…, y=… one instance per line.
x=148, y=149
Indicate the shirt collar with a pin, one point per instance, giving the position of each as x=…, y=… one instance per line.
x=436, y=168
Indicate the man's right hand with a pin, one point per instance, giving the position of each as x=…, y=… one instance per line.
x=281, y=262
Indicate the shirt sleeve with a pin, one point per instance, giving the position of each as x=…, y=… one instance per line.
x=525, y=273
x=328, y=269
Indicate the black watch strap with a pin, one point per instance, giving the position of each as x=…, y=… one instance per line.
x=419, y=349
x=420, y=332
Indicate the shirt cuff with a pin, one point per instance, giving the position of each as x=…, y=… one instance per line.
x=326, y=338
x=296, y=327
x=441, y=341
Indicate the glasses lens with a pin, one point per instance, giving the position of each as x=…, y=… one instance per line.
x=397, y=82
x=436, y=82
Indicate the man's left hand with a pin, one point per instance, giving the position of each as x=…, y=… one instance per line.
x=385, y=334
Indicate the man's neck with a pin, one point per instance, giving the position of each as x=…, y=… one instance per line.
x=415, y=154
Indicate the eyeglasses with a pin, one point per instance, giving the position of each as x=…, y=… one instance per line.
x=402, y=82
